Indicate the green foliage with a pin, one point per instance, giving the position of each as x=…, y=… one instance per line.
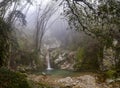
x=5, y=42
x=110, y=73
x=28, y=60
x=87, y=57
x=101, y=23
x=25, y=58
x=10, y=79
x=80, y=54
x=79, y=58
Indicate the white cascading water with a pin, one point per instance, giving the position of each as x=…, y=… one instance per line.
x=48, y=62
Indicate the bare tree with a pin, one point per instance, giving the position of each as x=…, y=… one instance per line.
x=42, y=22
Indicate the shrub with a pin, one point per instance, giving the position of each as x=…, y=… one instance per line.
x=79, y=58
x=10, y=79
x=5, y=42
x=110, y=73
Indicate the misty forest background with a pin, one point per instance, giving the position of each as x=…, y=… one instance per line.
x=78, y=35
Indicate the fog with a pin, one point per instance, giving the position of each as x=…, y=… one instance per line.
x=57, y=27
x=59, y=44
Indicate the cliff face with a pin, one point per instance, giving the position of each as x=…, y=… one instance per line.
x=63, y=60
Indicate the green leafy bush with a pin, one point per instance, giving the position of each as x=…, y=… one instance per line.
x=79, y=58
x=87, y=59
x=110, y=73
x=10, y=79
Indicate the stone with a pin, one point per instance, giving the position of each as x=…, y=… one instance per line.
x=109, y=81
x=85, y=81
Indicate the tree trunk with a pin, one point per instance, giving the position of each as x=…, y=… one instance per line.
x=117, y=56
x=100, y=56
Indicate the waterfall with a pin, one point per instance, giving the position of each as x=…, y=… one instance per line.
x=48, y=62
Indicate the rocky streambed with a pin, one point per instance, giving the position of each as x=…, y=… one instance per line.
x=83, y=81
